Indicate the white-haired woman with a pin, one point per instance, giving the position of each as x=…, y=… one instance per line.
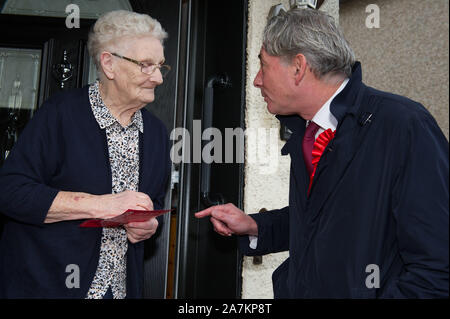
x=88, y=153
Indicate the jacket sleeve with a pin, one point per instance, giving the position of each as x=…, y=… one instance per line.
x=24, y=192
x=273, y=233
x=421, y=207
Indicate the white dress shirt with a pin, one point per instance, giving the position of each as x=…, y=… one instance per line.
x=326, y=120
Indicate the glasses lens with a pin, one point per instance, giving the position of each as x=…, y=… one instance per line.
x=152, y=68
x=148, y=69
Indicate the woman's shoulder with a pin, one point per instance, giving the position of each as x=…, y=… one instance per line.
x=63, y=102
x=68, y=98
x=60, y=105
x=153, y=122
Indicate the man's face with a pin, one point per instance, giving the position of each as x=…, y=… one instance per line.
x=136, y=85
x=275, y=83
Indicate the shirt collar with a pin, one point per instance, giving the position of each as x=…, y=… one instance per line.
x=324, y=118
x=103, y=115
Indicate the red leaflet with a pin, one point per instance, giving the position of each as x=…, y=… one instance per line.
x=129, y=216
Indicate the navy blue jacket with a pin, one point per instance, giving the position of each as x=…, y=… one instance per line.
x=63, y=149
x=379, y=197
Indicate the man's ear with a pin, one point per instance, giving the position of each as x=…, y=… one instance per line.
x=107, y=64
x=300, y=64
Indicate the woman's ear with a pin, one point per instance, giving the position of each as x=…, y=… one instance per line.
x=300, y=65
x=107, y=64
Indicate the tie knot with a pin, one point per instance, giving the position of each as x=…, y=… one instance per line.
x=311, y=130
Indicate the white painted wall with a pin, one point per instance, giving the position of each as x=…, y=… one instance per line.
x=408, y=54
x=266, y=184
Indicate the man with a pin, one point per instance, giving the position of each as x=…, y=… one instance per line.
x=368, y=201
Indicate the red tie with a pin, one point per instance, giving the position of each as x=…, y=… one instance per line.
x=308, y=143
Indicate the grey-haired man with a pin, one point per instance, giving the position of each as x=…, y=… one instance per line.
x=368, y=203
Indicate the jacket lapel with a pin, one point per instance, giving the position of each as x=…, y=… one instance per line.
x=333, y=165
x=293, y=147
x=340, y=152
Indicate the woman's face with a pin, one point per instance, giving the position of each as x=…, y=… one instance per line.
x=133, y=85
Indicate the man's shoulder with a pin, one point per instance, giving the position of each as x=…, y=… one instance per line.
x=395, y=107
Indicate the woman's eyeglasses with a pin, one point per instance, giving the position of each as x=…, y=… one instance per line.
x=146, y=67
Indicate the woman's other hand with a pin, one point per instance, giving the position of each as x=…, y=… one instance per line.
x=138, y=231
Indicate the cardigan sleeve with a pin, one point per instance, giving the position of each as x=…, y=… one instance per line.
x=159, y=199
x=25, y=195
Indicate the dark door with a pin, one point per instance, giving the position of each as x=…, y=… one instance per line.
x=208, y=265
x=38, y=57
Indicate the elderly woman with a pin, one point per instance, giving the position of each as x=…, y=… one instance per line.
x=88, y=153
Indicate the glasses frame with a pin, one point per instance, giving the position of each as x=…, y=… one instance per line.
x=163, y=68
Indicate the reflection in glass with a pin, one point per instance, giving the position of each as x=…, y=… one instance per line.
x=19, y=79
x=15, y=99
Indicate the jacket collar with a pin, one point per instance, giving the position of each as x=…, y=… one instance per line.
x=344, y=102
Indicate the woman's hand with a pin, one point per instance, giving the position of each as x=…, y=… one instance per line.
x=117, y=204
x=137, y=232
x=111, y=205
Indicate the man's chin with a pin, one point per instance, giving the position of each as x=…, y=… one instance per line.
x=277, y=110
x=271, y=109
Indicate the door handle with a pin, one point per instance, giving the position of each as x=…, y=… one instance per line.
x=221, y=80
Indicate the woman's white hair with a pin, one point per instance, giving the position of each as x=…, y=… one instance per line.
x=313, y=34
x=117, y=24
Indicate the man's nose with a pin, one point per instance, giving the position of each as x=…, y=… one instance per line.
x=257, y=82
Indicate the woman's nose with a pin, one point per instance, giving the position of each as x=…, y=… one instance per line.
x=157, y=77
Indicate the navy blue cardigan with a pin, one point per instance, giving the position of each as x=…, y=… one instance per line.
x=63, y=149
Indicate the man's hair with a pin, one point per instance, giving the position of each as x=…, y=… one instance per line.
x=312, y=33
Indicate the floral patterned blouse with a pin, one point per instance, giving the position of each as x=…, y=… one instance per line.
x=123, y=148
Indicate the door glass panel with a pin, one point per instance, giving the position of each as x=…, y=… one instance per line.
x=89, y=9
x=19, y=81
x=19, y=78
